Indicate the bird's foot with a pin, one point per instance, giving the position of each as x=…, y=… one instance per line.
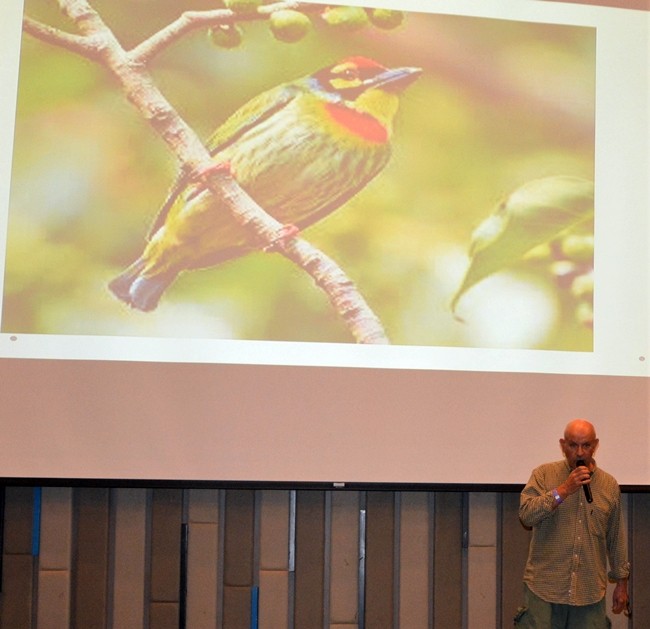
x=282, y=237
x=201, y=177
x=215, y=167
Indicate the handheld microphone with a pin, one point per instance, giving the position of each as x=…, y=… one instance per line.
x=587, y=489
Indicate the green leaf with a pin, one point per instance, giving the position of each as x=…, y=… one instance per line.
x=532, y=215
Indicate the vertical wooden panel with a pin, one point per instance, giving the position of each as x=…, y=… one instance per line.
x=414, y=560
x=163, y=615
x=166, y=517
x=239, y=542
x=90, y=564
x=481, y=587
x=482, y=561
x=2, y=538
x=619, y=621
x=236, y=607
x=239, y=546
x=310, y=544
x=129, y=543
x=202, y=575
x=640, y=582
x=203, y=559
x=53, y=605
x=514, y=541
x=274, y=559
x=17, y=564
x=482, y=518
x=56, y=529
x=447, y=560
x=274, y=598
x=18, y=520
x=16, y=596
x=380, y=559
x=274, y=530
x=203, y=505
x=344, y=559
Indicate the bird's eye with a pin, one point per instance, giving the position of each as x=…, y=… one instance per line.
x=350, y=74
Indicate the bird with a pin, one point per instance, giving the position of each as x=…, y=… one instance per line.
x=300, y=150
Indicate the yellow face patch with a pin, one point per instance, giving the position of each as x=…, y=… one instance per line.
x=380, y=104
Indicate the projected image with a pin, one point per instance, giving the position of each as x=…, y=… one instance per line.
x=256, y=171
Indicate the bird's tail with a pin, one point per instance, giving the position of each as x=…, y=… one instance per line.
x=140, y=291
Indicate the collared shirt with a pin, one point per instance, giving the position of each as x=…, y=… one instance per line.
x=570, y=546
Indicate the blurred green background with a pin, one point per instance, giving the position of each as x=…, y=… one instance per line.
x=500, y=103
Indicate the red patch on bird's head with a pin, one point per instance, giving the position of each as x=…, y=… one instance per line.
x=364, y=63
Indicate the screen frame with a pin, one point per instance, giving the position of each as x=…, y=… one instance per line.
x=611, y=360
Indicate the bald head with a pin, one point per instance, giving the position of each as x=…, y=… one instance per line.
x=579, y=442
x=580, y=427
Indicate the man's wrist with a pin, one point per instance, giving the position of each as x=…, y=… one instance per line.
x=556, y=496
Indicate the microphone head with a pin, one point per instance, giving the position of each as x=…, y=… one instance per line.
x=587, y=489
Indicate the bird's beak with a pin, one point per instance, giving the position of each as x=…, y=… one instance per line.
x=395, y=79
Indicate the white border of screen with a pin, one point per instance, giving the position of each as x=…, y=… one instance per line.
x=622, y=225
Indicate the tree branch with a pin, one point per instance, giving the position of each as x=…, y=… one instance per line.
x=100, y=44
x=364, y=325
x=192, y=20
x=50, y=35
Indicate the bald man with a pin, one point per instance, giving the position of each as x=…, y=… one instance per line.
x=565, y=578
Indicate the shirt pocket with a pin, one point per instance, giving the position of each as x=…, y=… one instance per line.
x=598, y=522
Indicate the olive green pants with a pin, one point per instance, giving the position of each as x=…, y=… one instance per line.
x=538, y=614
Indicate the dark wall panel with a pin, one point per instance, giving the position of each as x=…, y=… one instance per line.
x=16, y=596
x=166, y=512
x=90, y=558
x=513, y=547
x=17, y=561
x=448, y=560
x=310, y=559
x=239, y=555
x=640, y=545
x=380, y=559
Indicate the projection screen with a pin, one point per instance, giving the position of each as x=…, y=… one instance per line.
x=437, y=254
